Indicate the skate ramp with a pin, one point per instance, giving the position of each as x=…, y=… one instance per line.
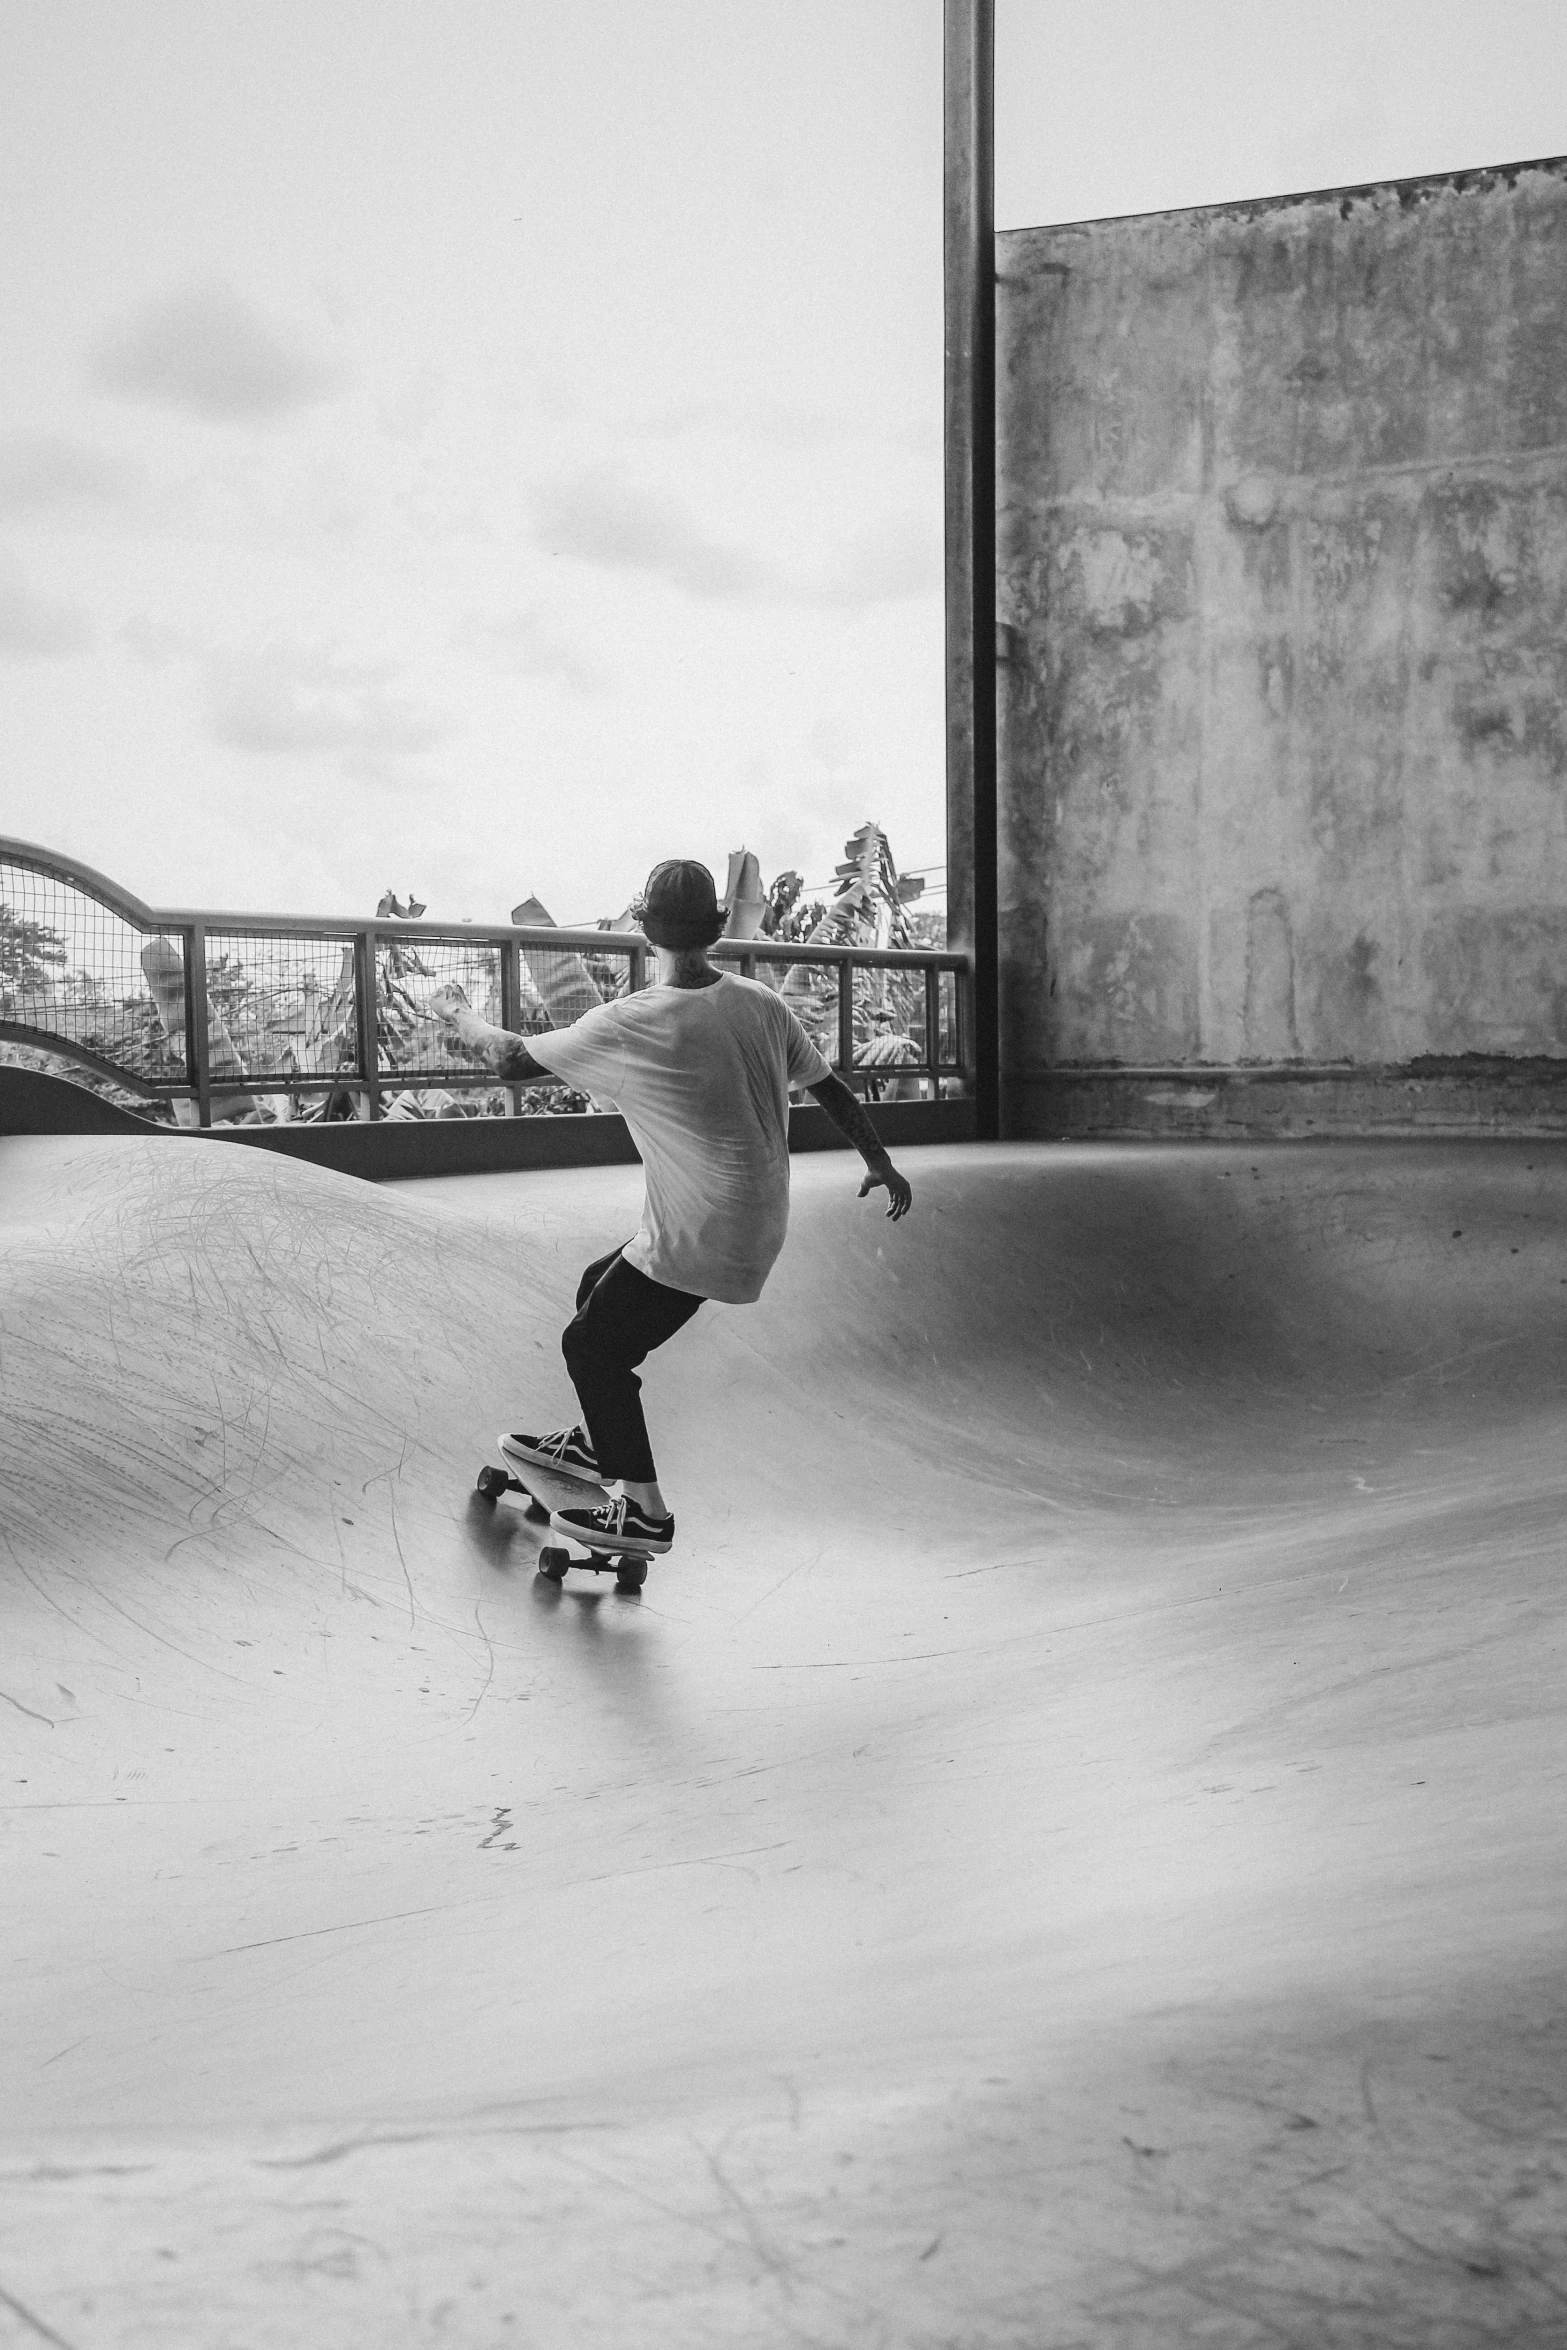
x=1068, y=1849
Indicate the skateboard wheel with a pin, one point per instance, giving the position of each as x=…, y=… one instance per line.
x=493, y=1483
x=553, y=1562
x=630, y=1574
x=534, y=1509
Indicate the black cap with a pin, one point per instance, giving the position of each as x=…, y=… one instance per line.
x=679, y=907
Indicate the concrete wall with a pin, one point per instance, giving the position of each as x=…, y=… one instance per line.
x=1283, y=567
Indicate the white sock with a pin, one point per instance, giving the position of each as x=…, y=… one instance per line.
x=647, y=1498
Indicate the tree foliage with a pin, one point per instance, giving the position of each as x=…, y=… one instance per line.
x=29, y=953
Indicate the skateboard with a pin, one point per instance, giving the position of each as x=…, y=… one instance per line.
x=546, y=1490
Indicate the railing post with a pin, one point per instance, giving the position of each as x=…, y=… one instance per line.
x=845, y=1019
x=511, y=984
x=511, y=1010
x=365, y=1024
x=933, y=1029
x=748, y=966
x=198, y=1038
x=638, y=970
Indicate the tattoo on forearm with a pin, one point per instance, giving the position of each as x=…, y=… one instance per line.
x=514, y=1061
x=848, y=1115
x=499, y=1050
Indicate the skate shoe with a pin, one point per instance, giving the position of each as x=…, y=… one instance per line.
x=568, y=1451
x=617, y=1525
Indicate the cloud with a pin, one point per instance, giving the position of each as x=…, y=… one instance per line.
x=293, y=702
x=595, y=518
x=776, y=423
x=43, y=474
x=599, y=519
x=203, y=350
x=154, y=644
x=887, y=564
x=35, y=628
x=525, y=645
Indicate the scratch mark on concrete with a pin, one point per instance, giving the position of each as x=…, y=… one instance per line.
x=314, y=1933
x=5, y=1694
x=342, y=2148
x=775, y=2262
x=59, y=2052
x=20, y=2310
x=489, y=1650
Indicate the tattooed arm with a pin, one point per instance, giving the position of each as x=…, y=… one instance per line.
x=847, y=1113
x=497, y=1048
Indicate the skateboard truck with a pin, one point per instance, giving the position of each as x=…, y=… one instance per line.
x=628, y=1567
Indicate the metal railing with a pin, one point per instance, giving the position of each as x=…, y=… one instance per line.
x=217, y=1014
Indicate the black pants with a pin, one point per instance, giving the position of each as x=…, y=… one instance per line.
x=621, y=1316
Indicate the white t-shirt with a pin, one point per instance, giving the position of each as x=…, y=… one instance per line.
x=701, y=1076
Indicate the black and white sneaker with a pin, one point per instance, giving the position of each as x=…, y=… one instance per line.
x=617, y=1525
x=568, y=1451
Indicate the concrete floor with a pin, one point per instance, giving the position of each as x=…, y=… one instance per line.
x=1069, y=1851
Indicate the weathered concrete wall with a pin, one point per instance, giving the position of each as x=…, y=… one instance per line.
x=1283, y=563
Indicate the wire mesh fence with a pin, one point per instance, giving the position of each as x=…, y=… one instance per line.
x=410, y=1041
x=283, y=1018
x=559, y=986
x=75, y=970
x=907, y=1045
x=279, y=1008
x=890, y=1037
x=949, y=1033
x=811, y=992
x=320, y=1020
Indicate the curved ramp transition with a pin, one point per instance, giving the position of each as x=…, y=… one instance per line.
x=1067, y=1851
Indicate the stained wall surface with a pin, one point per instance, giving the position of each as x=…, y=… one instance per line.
x=1283, y=568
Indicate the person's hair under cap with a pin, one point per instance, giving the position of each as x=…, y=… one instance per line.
x=679, y=907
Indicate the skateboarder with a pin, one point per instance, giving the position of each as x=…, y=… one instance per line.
x=700, y=1065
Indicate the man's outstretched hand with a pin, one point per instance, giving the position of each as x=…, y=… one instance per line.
x=448, y=1004
x=899, y=1189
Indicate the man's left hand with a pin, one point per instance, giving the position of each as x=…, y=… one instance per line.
x=900, y=1192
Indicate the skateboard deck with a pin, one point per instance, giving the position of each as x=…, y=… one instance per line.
x=546, y=1490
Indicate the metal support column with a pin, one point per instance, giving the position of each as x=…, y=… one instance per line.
x=198, y=1027
x=511, y=1010
x=367, y=1044
x=970, y=266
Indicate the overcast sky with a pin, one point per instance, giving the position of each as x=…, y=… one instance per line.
x=477, y=447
